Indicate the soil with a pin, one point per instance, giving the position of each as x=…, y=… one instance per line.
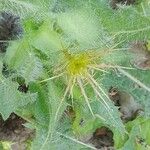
x=102, y=139
x=126, y=103
x=114, y=3
x=11, y=29
x=141, y=52
x=13, y=130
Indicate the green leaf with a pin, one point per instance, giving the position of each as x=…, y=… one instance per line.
x=82, y=26
x=5, y=145
x=11, y=99
x=46, y=39
x=20, y=57
x=17, y=53
x=31, y=69
x=83, y=124
x=45, y=133
x=41, y=107
x=138, y=131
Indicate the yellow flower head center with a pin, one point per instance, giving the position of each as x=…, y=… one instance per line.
x=77, y=64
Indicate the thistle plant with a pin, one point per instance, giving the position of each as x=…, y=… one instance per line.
x=70, y=56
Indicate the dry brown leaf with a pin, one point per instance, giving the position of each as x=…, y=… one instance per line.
x=128, y=107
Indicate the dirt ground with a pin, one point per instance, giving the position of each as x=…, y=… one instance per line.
x=13, y=130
